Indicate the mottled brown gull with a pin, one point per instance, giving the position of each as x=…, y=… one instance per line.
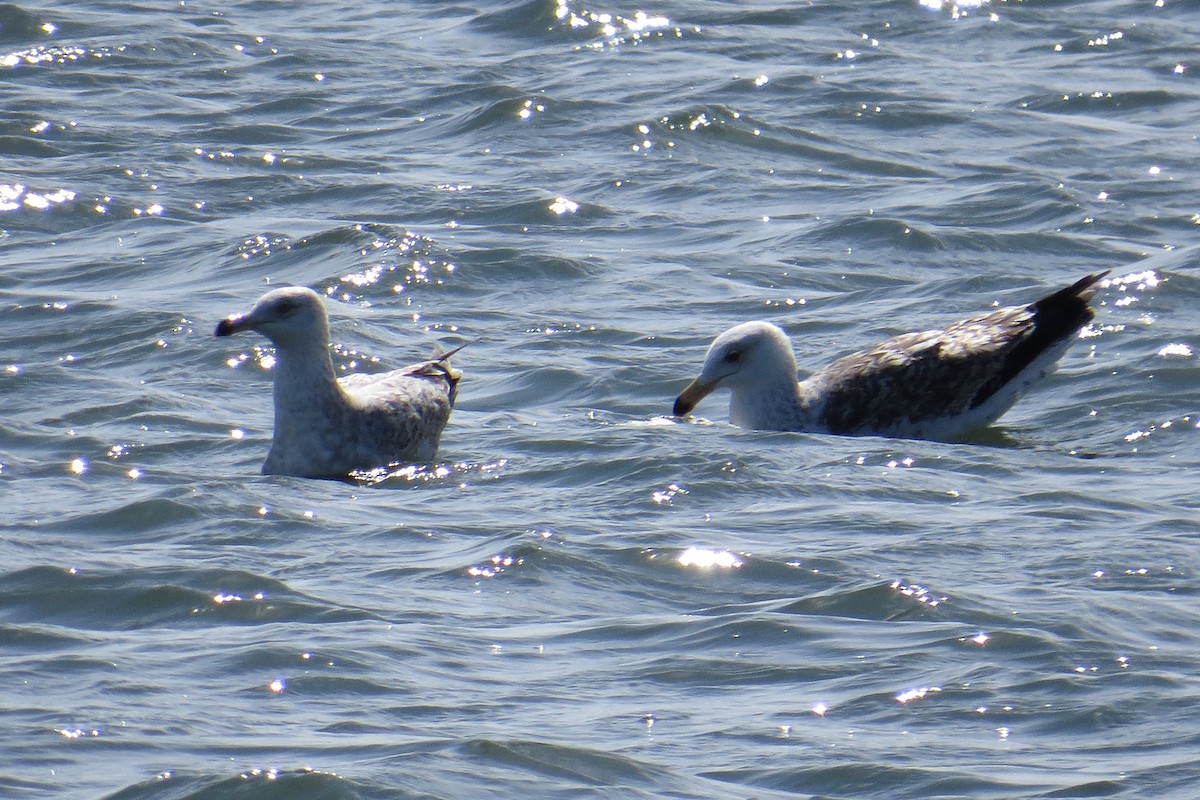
x=328, y=427
x=937, y=384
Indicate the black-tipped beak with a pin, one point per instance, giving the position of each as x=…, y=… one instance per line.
x=696, y=391
x=228, y=326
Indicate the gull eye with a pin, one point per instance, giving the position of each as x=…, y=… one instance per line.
x=732, y=357
x=288, y=307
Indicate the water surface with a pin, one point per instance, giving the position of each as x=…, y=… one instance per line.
x=584, y=597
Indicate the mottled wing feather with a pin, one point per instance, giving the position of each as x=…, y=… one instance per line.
x=399, y=415
x=438, y=372
x=919, y=376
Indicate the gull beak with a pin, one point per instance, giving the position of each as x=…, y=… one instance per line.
x=696, y=391
x=231, y=325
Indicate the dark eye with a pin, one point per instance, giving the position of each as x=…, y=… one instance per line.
x=733, y=357
x=288, y=307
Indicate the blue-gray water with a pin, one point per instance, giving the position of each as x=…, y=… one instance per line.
x=584, y=598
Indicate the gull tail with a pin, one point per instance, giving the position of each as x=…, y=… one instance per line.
x=439, y=367
x=1057, y=318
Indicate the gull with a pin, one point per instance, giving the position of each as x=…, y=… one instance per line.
x=329, y=427
x=937, y=384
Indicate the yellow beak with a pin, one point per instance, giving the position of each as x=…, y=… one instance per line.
x=696, y=391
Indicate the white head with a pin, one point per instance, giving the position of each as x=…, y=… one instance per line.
x=746, y=358
x=291, y=316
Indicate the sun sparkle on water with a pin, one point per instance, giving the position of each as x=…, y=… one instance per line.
x=709, y=559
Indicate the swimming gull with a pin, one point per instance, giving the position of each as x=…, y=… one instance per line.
x=328, y=427
x=937, y=384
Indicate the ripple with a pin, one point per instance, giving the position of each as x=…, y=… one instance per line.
x=589, y=766
x=265, y=782
x=848, y=777
x=17, y=24
x=721, y=126
x=17, y=196
x=884, y=601
x=507, y=111
x=389, y=260
x=55, y=54
x=1089, y=102
x=151, y=598
x=607, y=30
x=460, y=474
x=583, y=24
x=28, y=639
x=138, y=516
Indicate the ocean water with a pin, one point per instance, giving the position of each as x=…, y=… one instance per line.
x=585, y=597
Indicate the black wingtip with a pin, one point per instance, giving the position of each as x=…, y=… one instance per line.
x=1083, y=289
x=1068, y=310
x=224, y=328
x=439, y=355
x=1055, y=318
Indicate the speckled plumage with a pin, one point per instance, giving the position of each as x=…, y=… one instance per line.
x=328, y=427
x=937, y=384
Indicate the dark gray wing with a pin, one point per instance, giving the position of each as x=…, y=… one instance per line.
x=946, y=373
x=920, y=376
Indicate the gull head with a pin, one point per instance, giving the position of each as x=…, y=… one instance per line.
x=288, y=316
x=745, y=358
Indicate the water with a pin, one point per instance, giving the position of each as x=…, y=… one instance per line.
x=584, y=598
